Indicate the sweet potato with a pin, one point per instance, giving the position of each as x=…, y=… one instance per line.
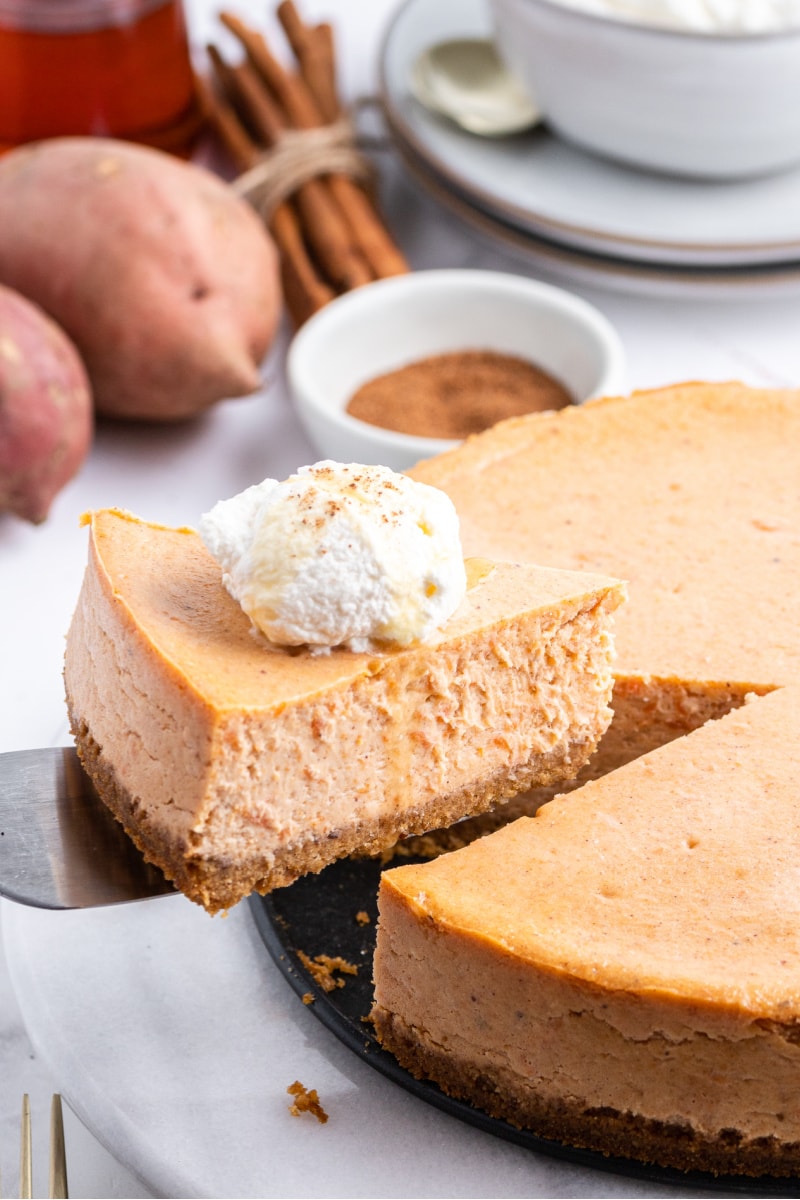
x=45, y=408
x=165, y=280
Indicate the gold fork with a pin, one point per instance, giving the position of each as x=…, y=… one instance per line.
x=58, y=1158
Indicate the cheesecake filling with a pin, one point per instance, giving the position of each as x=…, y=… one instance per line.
x=408, y=732
x=460, y=1010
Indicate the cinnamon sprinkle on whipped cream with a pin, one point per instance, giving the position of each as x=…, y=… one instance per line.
x=340, y=555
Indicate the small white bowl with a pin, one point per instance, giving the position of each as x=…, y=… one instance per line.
x=394, y=322
x=681, y=101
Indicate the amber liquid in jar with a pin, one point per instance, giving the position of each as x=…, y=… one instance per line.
x=116, y=68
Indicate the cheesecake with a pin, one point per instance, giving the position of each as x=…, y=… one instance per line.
x=618, y=968
x=621, y=972
x=237, y=765
x=690, y=494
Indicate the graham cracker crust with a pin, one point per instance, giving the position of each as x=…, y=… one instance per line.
x=217, y=883
x=606, y=1130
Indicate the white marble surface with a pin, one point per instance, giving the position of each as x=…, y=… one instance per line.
x=171, y=475
x=182, y=1061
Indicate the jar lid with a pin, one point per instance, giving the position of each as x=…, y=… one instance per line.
x=73, y=16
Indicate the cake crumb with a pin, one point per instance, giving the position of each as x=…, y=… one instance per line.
x=322, y=968
x=306, y=1100
x=362, y=917
x=308, y=997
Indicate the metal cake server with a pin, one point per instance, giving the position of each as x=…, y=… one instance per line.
x=60, y=847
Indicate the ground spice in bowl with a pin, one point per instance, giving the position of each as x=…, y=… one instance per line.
x=454, y=395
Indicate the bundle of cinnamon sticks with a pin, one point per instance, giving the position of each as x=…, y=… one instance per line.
x=329, y=233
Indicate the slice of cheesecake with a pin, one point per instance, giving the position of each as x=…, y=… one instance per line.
x=238, y=766
x=622, y=971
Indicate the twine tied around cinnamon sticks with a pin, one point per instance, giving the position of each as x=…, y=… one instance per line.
x=298, y=162
x=299, y=156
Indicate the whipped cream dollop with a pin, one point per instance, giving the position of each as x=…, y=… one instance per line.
x=705, y=16
x=340, y=555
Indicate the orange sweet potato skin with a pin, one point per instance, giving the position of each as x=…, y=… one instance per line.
x=45, y=409
x=166, y=281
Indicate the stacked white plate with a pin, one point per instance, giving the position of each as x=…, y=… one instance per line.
x=580, y=216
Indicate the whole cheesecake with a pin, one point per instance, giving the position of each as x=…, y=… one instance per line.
x=237, y=766
x=622, y=971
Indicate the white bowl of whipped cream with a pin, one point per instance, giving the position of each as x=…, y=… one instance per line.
x=701, y=88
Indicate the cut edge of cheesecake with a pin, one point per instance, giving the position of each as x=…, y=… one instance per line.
x=648, y=712
x=237, y=767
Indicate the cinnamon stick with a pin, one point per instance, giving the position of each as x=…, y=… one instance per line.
x=327, y=233
x=313, y=49
x=289, y=90
x=245, y=91
x=326, y=91
x=226, y=124
x=304, y=291
x=256, y=101
x=302, y=112
x=331, y=237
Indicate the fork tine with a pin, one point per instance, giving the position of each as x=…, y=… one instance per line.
x=25, y=1154
x=58, y=1156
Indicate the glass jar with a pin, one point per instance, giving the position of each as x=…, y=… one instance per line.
x=117, y=68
